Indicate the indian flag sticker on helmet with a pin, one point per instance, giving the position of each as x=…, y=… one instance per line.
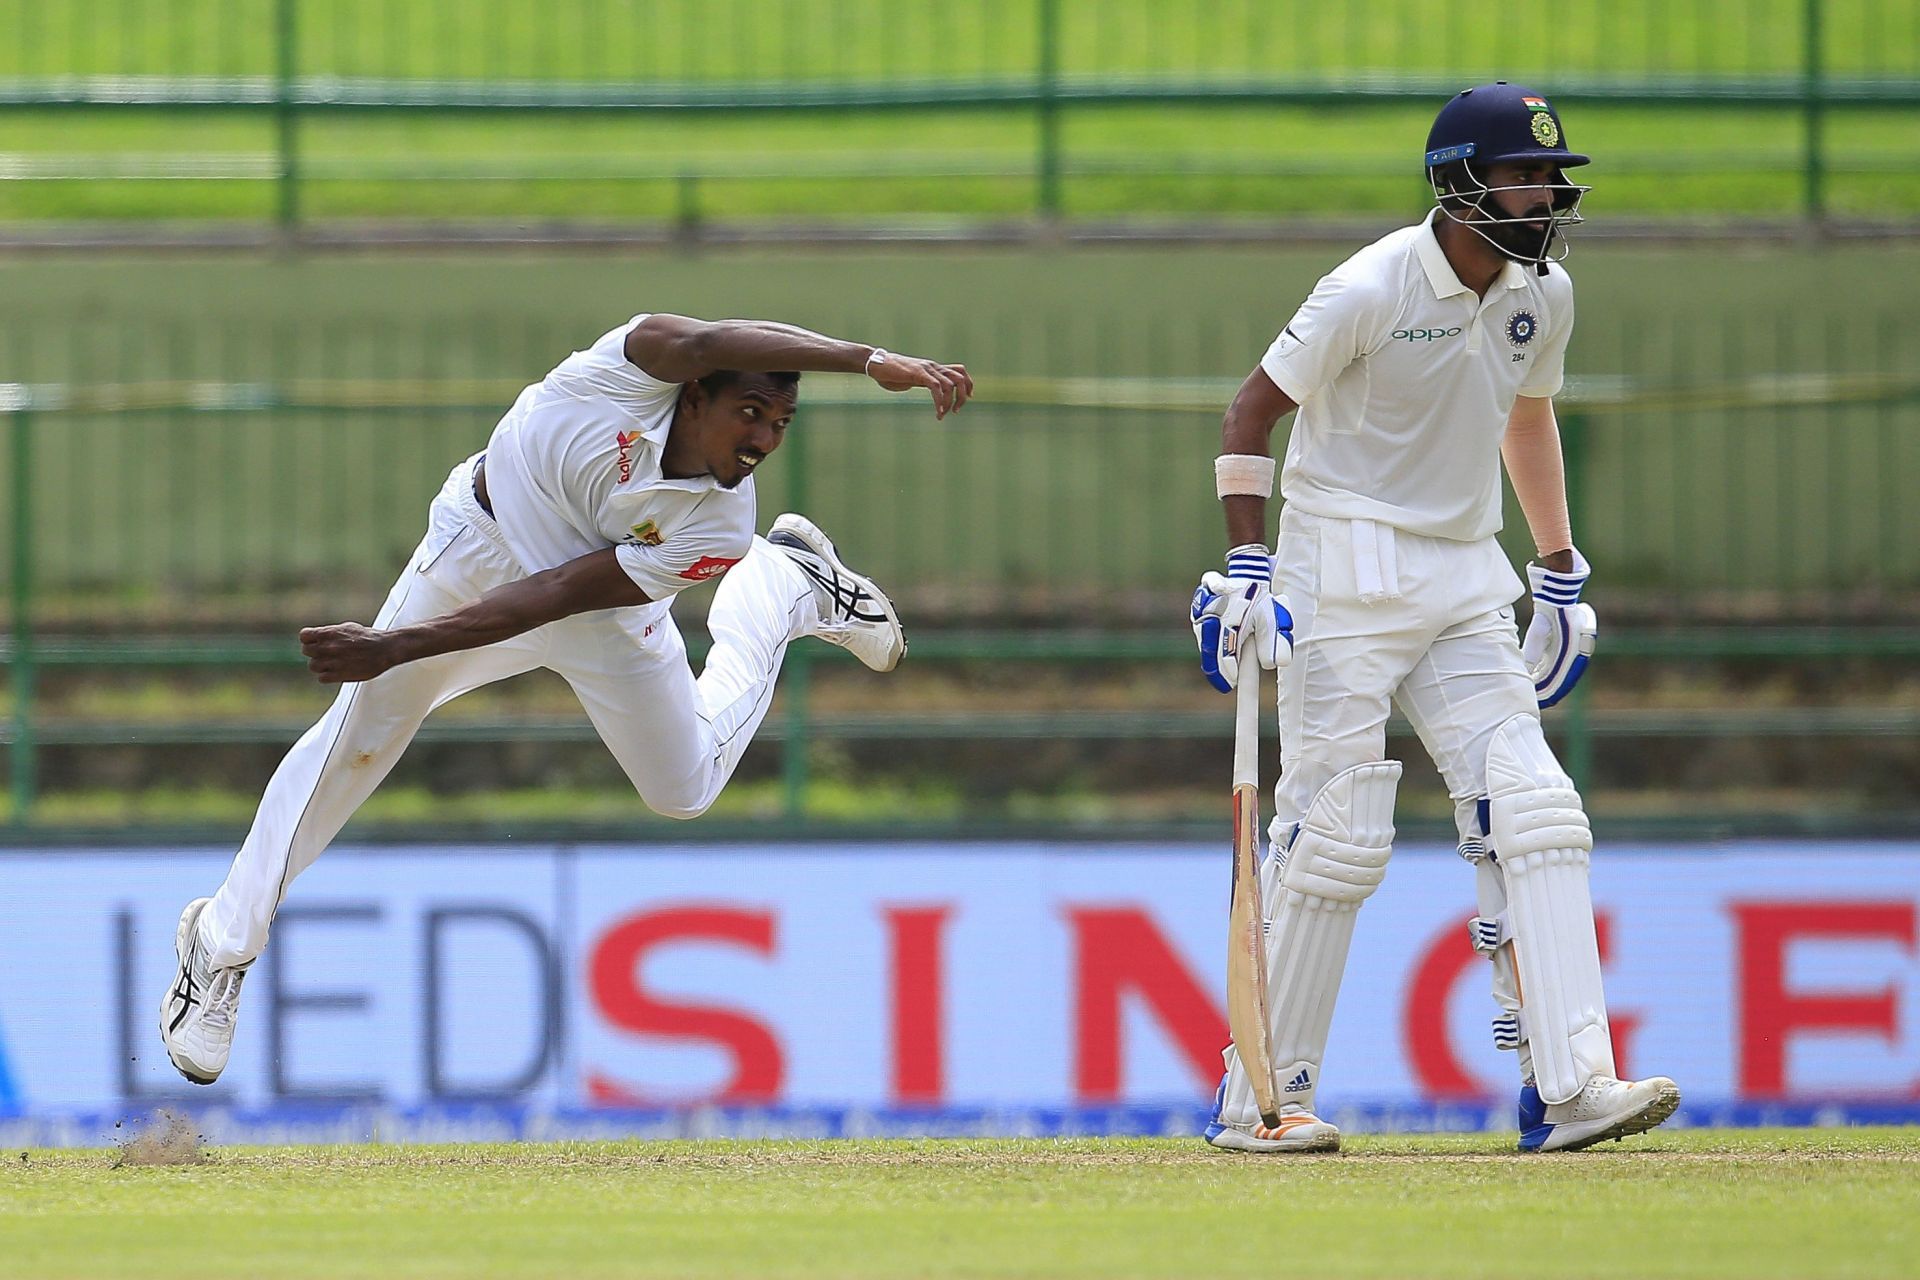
x=1536, y=104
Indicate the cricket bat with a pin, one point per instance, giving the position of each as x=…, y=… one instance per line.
x=1246, y=935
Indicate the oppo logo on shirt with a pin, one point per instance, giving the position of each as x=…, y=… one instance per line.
x=1426, y=335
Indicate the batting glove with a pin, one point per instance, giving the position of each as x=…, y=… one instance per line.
x=1560, y=638
x=1238, y=609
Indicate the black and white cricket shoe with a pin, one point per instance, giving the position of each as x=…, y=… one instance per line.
x=854, y=613
x=197, y=1013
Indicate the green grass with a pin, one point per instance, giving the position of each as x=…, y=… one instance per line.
x=869, y=40
x=1747, y=1205
x=1175, y=162
x=1694, y=161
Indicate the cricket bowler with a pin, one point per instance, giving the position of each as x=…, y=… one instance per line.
x=1417, y=366
x=618, y=480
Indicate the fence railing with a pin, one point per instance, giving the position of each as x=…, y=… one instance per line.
x=1129, y=525
x=169, y=507
x=288, y=63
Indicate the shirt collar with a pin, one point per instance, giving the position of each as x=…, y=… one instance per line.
x=689, y=484
x=656, y=434
x=1440, y=272
x=656, y=437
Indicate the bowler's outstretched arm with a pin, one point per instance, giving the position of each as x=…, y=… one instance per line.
x=682, y=349
x=347, y=651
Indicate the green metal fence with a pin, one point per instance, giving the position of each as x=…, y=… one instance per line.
x=1743, y=466
x=168, y=509
x=290, y=65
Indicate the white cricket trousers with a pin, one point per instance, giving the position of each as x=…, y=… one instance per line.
x=1382, y=616
x=678, y=738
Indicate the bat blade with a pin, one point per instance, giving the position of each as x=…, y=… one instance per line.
x=1246, y=934
x=1247, y=958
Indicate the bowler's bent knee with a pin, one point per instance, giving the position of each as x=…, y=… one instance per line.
x=684, y=802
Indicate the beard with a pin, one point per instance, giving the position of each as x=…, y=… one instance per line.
x=1523, y=241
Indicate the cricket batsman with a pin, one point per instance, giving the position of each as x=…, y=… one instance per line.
x=1417, y=366
x=617, y=481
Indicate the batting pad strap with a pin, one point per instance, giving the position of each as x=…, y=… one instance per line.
x=1508, y=1035
x=1488, y=934
x=1243, y=473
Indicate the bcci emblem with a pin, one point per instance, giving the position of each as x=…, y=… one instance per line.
x=1545, y=130
x=1520, y=328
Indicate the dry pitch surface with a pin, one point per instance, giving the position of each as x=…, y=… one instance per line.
x=1752, y=1204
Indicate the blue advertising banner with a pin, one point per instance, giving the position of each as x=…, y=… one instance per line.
x=1038, y=988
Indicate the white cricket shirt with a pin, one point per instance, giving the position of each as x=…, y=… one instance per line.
x=1404, y=380
x=574, y=467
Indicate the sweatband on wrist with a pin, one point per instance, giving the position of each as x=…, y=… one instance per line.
x=1243, y=473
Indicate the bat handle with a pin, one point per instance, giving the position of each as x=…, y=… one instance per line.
x=1246, y=724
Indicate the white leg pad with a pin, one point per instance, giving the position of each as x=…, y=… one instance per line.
x=1543, y=843
x=1313, y=891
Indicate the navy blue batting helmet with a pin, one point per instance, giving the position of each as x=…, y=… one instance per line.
x=1496, y=123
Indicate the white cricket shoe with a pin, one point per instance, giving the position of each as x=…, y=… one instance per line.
x=1606, y=1109
x=197, y=1013
x=1300, y=1131
x=854, y=613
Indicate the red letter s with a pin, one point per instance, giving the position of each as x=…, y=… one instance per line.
x=614, y=979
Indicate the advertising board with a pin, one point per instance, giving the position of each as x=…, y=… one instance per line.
x=936, y=987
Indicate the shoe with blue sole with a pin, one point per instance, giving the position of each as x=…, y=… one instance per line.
x=1607, y=1110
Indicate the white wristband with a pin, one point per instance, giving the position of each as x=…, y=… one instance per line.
x=879, y=356
x=1243, y=473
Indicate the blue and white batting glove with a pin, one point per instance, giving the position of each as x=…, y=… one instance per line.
x=1560, y=638
x=1226, y=605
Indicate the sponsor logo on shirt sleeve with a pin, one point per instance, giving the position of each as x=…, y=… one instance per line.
x=708, y=567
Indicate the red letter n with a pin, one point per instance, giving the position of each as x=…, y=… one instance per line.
x=1118, y=952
